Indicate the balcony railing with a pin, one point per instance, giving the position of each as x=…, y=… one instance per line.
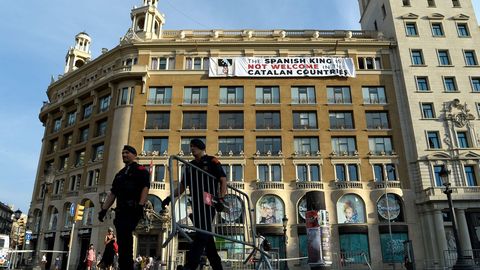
x=339, y=101
x=375, y=101
x=341, y=126
x=268, y=101
x=305, y=127
x=90, y=189
x=237, y=185
x=269, y=126
x=157, y=185
x=378, y=126
x=387, y=184
x=348, y=184
x=195, y=101
x=197, y=126
x=234, y=126
x=157, y=126
x=304, y=101
x=231, y=101
x=308, y=185
x=164, y=101
x=73, y=193
x=56, y=197
x=269, y=185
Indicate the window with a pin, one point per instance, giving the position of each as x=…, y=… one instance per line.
x=470, y=58
x=305, y=120
x=231, y=95
x=396, y=237
x=456, y=3
x=384, y=172
x=411, y=29
x=374, y=95
x=57, y=124
x=158, y=120
x=304, y=145
x=341, y=120
x=74, y=182
x=83, y=134
x=417, y=57
x=427, y=110
x=233, y=144
x=104, y=103
x=267, y=95
x=462, y=30
x=339, y=95
x=406, y=3
x=270, y=173
x=369, y=63
x=53, y=146
x=71, y=118
x=450, y=84
x=470, y=175
x=87, y=111
x=462, y=139
x=159, y=144
x=380, y=145
x=444, y=58
x=163, y=63
x=303, y=95
x=378, y=173
x=63, y=163
x=92, y=178
x=477, y=105
x=197, y=63
x=475, y=84
x=437, y=30
x=344, y=145
x=185, y=144
x=346, y=172
x=101, y=127
x=436, y=171
x=125, y=95
x=195, y=95
x=194, y=120
x=377, y=120
x=97, y=152
x=231, y=120
x=80, y=158
x=308, y=172
x=269, y=144
x=268, y=120
x=159, y=173
x=67, y=140
x=159, y=95
x=433, y=140
x=431, y=3
x=422, y=84
x=234, y=172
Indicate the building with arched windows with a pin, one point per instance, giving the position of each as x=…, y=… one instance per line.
x=285, y=112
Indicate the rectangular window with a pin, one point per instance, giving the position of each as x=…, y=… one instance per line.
x=462, y=30
x=385, y=242
x=436, y=171
x=369, y=63
x=411, y=29
x=346, y=172
x=97, y=152
x=355, y=246
x=196, y=63
x=123, y=96
x=104, y=103
x=80, y=158
x=268, y=120
x=158, y=120
x=63, y=163
x=437, y=30
x=427, y=110
x=185, y=144
x=450, y=84
x=303, y=95
x=475, y=84
x=470, y=175
x=234, y=172
x=456, y=3
x=101, y=127
x=159, y=144
x=195, y=95
x=380, y=145
x=194, y=120
x=339, y=95
x=378, y=172
x=433, y=140
x=352, y=172
x=159, y=173
x=231, y=95
x=71, y=118
x=422, y=84
x=470, y=58
x=341, y=120
x=87, y=111
x=230, y=145
x=231, y=120
x=431, y=3
x=57, y=124
x=406, y=3
x=159, y=95
x=83, y=135
x=53, y=146
x=271, y=173
x=163, y=63
x=391, y=172
x=444, y=58
x=344, y=145
x=305, y=120
x=374, y=95
x=340, y=172
x=267, y=95
x=377, y=120
x=306, y=145
x=417, y=57
x=269, y=144
x=462, y=139
x=67, y=140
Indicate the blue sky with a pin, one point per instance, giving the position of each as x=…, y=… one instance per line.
x=36, y=34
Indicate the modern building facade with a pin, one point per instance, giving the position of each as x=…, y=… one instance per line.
x=5, y=218
x=438, y=86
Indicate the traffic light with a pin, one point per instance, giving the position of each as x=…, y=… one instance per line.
x=20, y=239
x=79, y=212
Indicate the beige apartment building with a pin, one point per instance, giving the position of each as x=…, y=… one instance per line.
x=278, y=136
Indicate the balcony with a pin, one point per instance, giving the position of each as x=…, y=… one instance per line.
x=269, y=185
x=268, y=126
x=157, y=185
x=230, y=101
x=378, y=126
x=237, y=185
x=231, y=126
x=374, y=101
x=470, y=192
x=268, y=101
x=305, y=126
x=348, y=185
x=90, y=189
x=340, y=126
x=308, y=185
x=164, y=101
x=303, y=101
x=56, y=197
x=196, y=101
x=162, y=126
x=387, y=184
x=339, y=101
x=73, y=193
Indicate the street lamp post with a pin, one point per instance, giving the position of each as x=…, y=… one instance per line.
x=17, y=215
x=461, y=262
x=285, y=238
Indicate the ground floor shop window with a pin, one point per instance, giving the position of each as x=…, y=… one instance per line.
x=393, y=247
x=354, y=248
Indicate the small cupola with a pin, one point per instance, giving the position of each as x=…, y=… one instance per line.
x=80, y=54
x=147, y=21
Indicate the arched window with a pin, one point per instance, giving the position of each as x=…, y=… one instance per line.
x=67, y=218
x=350, y=209
x=390, y=209
x=236, y=209
x=155, y=201
x=270, y=210
x=53, y=219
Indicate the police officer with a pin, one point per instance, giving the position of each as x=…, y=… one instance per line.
x=202, y=215
x=130, y=189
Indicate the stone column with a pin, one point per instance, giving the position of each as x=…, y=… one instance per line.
x=463, y=230
x=440, y=234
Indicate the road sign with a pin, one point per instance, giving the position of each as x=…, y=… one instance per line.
x=28, y=236
x=72, y=209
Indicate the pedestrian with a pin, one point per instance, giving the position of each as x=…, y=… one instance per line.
x=90, y=257
x=109, y=252
x=58, y=264
x=44, y=261
x=130, y=189
x=202, y=214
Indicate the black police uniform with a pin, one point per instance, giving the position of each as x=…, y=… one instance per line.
x=127, y=188
x=203, y=214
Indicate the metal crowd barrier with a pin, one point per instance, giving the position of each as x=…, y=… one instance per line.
x=233, y=227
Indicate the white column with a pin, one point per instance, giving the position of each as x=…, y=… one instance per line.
x=308, y=173
x=440, y=234
x=463, y=230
